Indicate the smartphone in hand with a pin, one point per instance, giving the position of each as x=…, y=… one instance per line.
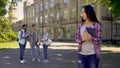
x=91, y=31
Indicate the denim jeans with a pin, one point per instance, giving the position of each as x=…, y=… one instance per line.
x=88, y=61
x=22, y=49
x=33, y=49
x=45, y=48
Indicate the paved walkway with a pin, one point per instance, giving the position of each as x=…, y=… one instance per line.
x=61, y=55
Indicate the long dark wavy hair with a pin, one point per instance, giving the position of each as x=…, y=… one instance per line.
x=90, y=13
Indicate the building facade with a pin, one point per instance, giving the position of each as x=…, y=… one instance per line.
x=12, y=14
x=61, y=16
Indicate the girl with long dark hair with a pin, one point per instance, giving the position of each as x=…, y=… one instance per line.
x=89, y=43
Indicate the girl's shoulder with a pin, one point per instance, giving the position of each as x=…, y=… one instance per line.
x=80, y=24
x=97, y=25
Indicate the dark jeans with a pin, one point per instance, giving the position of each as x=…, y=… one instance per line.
x=45, y=48
x=88, y=61
x=22, y=49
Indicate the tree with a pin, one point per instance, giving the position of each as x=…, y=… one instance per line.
x=15, y=2
x=6, y=33
x=3, y=4
x=112, y=5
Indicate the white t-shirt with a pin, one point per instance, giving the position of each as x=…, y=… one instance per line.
x=22, y=41
x=88, y=46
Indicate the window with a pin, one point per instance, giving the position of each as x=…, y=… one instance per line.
x=65, y=1
x=73, y=14
x=51, y=14
x=33, y=21
x=33, y=12
x=36, y=7
x=72, y=31
x=46, y=18
x=52, y=3
x=57, y=15
x=51, y=17
x=27, y=14
x=41, y=7
x=30, y=13
x=65, y=14
x=36, y=19
x=46, y=5
x=117, y=29
x=41, y=19
x=64, y=32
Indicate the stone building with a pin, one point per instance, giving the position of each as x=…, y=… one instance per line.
x=12, y=14
x=61, y=16
x=17, y=26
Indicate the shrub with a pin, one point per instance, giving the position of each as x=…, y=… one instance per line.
x=6, y=33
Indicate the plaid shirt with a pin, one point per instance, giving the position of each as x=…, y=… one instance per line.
x=96, y=40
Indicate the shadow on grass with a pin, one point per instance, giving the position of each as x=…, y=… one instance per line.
x=1, y=49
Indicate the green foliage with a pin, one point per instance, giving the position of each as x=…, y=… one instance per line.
x=11, y=35
x=86, y=1
x=113, y=5
x=15, y=2
x=2, y=11
x=6, y=33
x=3, y=4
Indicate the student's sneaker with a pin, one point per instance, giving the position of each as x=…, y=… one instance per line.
x=45, y=61
x=33, y=59
x=22, y=61
x=38, y=60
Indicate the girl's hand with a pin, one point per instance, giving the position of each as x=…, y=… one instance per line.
x=86, y=36
x=89, y=37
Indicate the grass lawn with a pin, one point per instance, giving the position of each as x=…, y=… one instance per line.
x=8, y=45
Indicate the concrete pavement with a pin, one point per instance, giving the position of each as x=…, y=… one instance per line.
x=60, y=54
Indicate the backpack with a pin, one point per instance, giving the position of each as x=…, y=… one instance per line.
x=20, y=35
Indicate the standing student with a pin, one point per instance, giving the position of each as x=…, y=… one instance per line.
x=89, y=46
x=22, y=36
x=35, y=42
x=45, y=47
